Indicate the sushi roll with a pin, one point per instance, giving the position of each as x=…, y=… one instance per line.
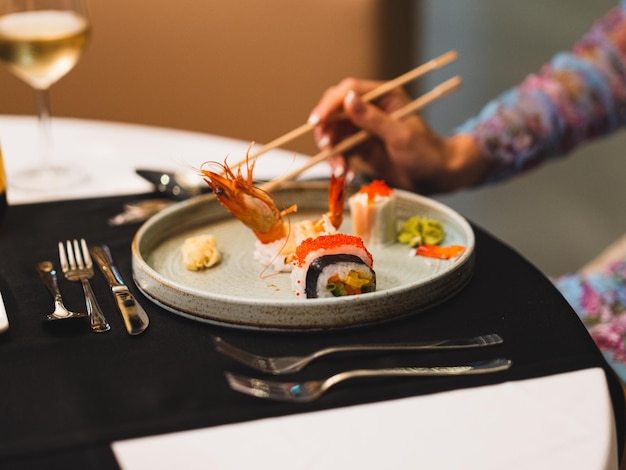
x=373, y=211
x=332, y=266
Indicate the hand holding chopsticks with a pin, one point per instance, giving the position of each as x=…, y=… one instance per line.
x=403, y=79
x=362, y=135
x=359, y=137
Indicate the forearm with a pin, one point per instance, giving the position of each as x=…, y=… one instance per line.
x=578, y=96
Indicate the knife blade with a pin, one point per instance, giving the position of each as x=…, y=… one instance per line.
x=4, y=319
x=135, y=317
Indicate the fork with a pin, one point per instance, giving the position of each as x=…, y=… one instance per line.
x=77, y=266
x=312, y=389
x=289, y=364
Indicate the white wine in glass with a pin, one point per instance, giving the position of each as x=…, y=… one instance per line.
x=40, y=42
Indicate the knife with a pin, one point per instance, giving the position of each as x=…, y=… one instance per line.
x=179, y=185
x=135, y=318
x=182, y=184
x=4, y=320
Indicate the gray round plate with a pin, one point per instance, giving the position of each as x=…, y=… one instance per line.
x=236, y=293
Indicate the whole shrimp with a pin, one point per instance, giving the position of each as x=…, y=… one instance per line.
x=277, y=236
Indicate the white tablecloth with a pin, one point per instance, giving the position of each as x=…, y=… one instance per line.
x=561, y=421
x=557, y=422
x=110, y=153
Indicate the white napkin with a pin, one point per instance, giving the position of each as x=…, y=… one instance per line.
x=560, y=421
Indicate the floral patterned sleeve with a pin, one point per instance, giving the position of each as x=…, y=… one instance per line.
x=600, y=301
x=577, y=96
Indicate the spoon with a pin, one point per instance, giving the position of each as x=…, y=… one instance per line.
x=49, y=277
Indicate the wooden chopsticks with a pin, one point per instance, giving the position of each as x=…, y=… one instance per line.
x=355, y=139
x=403, y=79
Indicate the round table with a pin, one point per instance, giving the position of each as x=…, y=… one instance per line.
x=159, y=400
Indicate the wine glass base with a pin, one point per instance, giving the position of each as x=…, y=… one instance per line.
x=49, y=178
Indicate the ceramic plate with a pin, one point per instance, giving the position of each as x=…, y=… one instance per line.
x=235, y=293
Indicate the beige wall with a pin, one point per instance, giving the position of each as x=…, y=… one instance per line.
x=246, y=69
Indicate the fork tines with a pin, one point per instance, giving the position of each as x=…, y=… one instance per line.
x=72, y=258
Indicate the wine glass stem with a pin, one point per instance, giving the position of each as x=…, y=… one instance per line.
x=45, y=134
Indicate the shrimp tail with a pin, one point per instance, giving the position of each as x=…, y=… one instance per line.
x=336, y=201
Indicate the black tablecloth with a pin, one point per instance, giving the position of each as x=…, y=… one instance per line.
x=66, y=393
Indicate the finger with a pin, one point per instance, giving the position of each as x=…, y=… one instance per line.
x=331, y=101
x=369, y=117
x=330, y=133
x=322, y=138
x=338, y=165
x=333, y=98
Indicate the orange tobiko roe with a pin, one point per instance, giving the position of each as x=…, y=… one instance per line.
x=376, y=188
x=326, y=242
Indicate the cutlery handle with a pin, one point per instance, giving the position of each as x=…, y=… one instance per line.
x=456, y=343
x=48, y=276
x=473, y=368
x=135, y=318
x=97, y=320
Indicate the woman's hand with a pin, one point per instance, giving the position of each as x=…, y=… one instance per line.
x=405, y=153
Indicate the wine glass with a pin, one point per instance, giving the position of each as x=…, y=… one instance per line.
x=41, y=41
